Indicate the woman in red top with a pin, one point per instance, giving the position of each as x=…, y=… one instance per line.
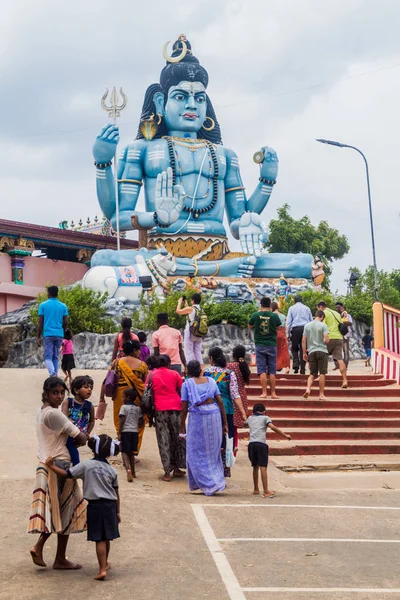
x=123, y=336
x=166, y=385
x=242, y=371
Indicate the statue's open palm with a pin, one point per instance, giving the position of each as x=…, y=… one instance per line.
x=253, y=232
x=169, y=198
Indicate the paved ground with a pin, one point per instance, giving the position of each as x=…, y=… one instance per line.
x=177, y=545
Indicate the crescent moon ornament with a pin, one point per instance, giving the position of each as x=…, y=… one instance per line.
x=174, y=59
x=258, y=157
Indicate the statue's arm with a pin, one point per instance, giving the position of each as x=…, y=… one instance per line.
x=268, y=174
x=235, y=195
x=130, y=181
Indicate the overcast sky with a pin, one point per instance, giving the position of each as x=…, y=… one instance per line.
x=282, y=72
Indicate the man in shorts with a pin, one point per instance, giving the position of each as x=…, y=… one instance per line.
x=335, y=347
x=315, y=350
x=265, y=324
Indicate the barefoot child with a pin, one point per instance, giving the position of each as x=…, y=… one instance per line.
x=367, y=342
x=68, y=361
x=100, y=489
x=129, y=417
x=258, y=448
x=79, y=410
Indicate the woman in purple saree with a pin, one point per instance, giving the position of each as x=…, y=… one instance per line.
x=206, y=426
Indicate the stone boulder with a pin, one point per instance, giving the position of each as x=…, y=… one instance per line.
x=9, y=334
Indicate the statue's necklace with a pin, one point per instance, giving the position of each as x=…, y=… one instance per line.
x=172, y=157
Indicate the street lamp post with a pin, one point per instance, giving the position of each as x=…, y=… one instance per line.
x=340, y=145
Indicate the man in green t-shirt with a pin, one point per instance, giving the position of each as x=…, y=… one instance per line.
x=265, y=325
x=335, y=346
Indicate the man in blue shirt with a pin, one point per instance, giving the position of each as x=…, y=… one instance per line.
x=298, y=316
x=53, y=320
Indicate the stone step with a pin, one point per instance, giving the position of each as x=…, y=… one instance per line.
x=351, y=392
x=321, y=433
x=330, y=383
x=330, y=377
x=332, y=447
x=371, y=423
x=327, y=414
x=309, y=403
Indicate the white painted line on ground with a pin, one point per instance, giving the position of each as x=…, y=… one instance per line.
x=338, y=506
x=350, y=540
x=224, y=568
x=324, y=590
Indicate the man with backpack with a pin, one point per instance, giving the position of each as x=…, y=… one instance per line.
x=337, y=330
x=196, y=326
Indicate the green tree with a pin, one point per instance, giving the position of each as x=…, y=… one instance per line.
x=289, y=235
x=86, y=308
x=361, y=298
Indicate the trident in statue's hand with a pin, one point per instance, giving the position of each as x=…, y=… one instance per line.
x=114, y=109
x=112, y=133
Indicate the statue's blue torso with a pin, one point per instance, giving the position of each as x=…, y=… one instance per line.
x=154, y=158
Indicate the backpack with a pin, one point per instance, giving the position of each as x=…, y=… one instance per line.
x=199, y=326
x=343, y=328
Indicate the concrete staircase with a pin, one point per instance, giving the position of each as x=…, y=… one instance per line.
x=364, y=419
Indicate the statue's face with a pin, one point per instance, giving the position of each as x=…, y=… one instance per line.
x=186, y=106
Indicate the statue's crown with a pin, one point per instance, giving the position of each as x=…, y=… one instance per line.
x=180, y=49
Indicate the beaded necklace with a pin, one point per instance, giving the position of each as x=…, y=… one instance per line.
x=180, y=174
x=173, y=157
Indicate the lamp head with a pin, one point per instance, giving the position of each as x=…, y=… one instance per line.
x=331, y=143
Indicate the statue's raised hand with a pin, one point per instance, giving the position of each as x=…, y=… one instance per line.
x=169, y=198
x=269, y=167
x=105, y=144
x=253, y=233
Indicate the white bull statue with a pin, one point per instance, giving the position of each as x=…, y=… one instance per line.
x=125, y=281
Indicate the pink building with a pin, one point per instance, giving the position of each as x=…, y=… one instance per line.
x=64, y=257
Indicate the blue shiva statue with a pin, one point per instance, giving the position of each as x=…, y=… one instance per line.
x=190, y=181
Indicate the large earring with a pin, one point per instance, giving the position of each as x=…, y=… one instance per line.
x=212, y=124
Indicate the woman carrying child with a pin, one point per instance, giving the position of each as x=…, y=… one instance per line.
x=228, y=388
x=67, y=350
x=79, y=411
x=240, y=367
x=130, y=417
x=131, y=373
x=57, y=506
x=100, y=489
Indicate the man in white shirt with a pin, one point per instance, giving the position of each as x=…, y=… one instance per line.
x=298, y=316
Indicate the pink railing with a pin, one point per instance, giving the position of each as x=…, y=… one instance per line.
x=386, y=352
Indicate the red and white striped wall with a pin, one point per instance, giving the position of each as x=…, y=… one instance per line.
x=386, y=352
x=386, y=363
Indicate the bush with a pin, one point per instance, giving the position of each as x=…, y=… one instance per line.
x=235, y=314
x=146, y=316
x=86, y=308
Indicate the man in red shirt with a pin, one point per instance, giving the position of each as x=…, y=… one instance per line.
x=167, y=340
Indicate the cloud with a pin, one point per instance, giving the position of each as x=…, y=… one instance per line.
x=56, y=59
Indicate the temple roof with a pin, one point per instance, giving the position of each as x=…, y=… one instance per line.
x=59, y=243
